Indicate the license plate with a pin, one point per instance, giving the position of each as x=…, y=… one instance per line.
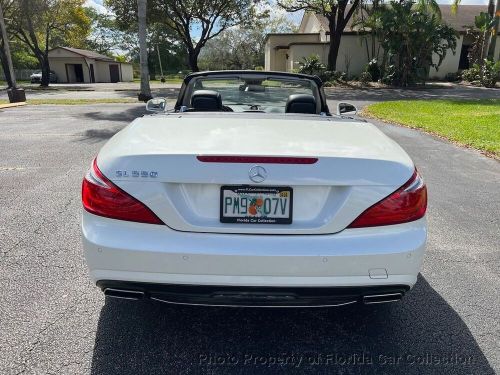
x=256, y=204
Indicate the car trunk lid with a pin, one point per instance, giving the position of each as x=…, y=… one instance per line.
x=176, y=164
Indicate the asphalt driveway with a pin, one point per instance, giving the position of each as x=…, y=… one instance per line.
x=358, y=96
x=54, y=321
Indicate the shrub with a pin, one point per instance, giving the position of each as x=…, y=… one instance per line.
x=391, y=76
x=374, y=70
x=490, y=73
x=486, y=75
x=413, y=41
x=311, y=65
x=451, y=77
x=365, y=78
x=339, y=76
x=326, y=75
x=333, y=76
x=472, y=74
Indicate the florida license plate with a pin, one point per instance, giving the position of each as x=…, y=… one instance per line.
x=256, y=204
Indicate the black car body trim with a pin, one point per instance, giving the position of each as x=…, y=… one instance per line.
x=218, y=295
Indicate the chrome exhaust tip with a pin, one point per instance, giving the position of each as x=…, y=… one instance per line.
x=124, y=294
x=382, y=298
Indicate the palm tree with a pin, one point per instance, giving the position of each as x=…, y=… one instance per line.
x=494, y=12
x=494, y=32
x=429, y=6
x=145, y=93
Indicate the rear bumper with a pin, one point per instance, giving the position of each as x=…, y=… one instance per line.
x=215, y=295
x=383, y=257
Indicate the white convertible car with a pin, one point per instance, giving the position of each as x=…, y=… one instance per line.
x=251, y=193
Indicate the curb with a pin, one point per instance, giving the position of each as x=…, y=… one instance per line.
x=11, y=105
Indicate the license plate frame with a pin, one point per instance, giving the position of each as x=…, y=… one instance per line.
x=249, y=219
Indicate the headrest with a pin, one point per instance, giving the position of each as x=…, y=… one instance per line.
x=301, y=103
x=206, y=100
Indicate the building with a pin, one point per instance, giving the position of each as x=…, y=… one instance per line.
x=284, y=51
x=73, y=65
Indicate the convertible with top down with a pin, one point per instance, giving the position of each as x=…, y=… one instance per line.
x=251, y=192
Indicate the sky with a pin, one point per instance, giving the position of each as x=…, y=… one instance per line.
x=97, y=4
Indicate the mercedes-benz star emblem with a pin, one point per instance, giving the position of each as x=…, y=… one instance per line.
x=257, y=174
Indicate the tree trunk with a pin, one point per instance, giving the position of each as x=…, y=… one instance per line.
x=193, y=60
x=332, y=55
x=337, y=20
x=44, y=63
x=334, y=49
x=145, y=93
x=494, y=36
x=5, y=68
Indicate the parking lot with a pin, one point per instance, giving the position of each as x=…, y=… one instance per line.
x=55, y=321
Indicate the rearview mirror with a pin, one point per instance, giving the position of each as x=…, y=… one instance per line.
x=346, y=109
x=156, y=105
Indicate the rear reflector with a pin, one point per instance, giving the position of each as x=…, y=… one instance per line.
x=406, y=204
x=101, y=197
x=256, y=159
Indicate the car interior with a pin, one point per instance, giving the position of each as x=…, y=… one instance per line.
x=206, y=100
x=211, y=101
x=251, y=93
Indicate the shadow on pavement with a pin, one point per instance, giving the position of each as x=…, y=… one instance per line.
x=126, y=115
x=97, y=135
x=103, y=131
x=421, y=335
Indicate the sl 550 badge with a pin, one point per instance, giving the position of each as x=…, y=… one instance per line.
x=136, y=174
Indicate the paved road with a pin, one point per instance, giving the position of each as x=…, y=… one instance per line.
x=54, y=321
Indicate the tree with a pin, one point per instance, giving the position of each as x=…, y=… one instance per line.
x=494, y=31
x=243, y=47
x=367, y=20
x=490, y=38
x=4, y=63
x=236, y=48
x=480, y=33
x=145, y=93
x=109, y=36
x=410, y=38
x=42, y=24
x=5, y=55
x=208, y=17
x=105, y=35
x=335, y=11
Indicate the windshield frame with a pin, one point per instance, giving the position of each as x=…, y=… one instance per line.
x=186, y=89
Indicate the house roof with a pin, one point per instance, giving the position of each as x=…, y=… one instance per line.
x=87, y=54
x=464, y=16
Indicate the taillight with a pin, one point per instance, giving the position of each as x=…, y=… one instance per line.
x=101, y=197
x=406, y=204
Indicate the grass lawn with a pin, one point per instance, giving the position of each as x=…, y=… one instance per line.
x=76, y=101
x=474, y=123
